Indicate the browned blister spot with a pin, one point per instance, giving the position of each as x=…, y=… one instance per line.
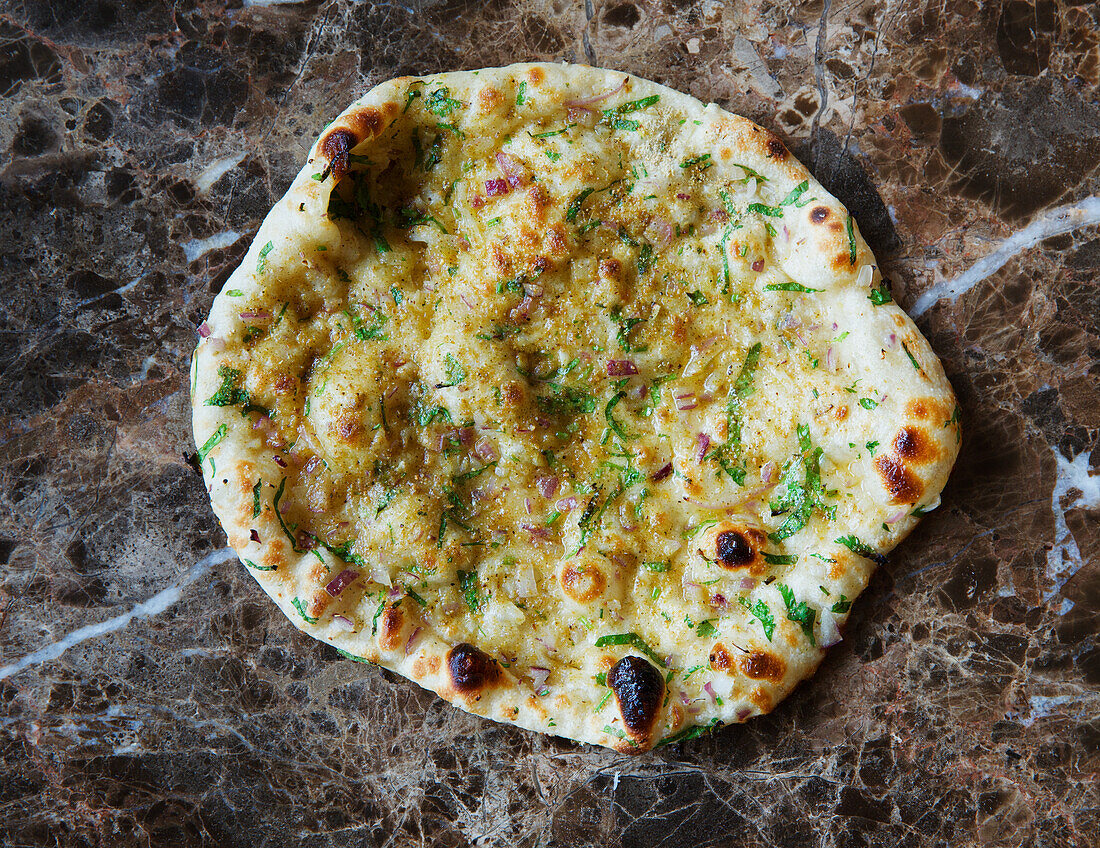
x=583, y=581
x=900, y=482
x=512, y=394
x=725, y=153
x=317, y=572
x=347, y=426
x=841, y=412
x=423, y=666
x=761, y=699
x=918, y=408
x=536, y=75
x=285, y=384
x=819, y=213
x=318, y=602
x=611, y=269
x=390, y=625
x=471, y=670
x=502, y=264
x=639, y=689
x=489, y=98
x=720, y=659
x=776, y=150
x=536, y=202
x=761, y=665
x=913, y=443
x=556, y=240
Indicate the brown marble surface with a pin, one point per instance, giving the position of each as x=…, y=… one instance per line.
x=151, y=695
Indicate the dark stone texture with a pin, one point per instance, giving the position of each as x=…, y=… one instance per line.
x=960, y=710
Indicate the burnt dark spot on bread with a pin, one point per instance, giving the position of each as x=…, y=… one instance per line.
x=639, y=688
x=471, y=670
x=900, y=482
x=720, y=659
x=335, y=148
x=913, y=444
x=734, y=550
x=776, y=150
x=819, y=213
x=761, y=665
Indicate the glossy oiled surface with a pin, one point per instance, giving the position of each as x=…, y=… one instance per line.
x=141, y=147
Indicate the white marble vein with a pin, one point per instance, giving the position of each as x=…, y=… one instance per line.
x=1064, y=558
x=195, y=248
x=154, y=606
x=1053, y=222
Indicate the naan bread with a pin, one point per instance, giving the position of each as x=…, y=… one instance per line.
x=570, y=398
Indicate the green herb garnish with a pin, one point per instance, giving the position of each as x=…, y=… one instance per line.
x=633, y=640
x=209, y=444
x=298, y=605
x=229, y=393
x=761, y=611
x=790, y=287
x=799, y=612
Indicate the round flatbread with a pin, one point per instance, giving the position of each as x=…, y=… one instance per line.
x=570, y=398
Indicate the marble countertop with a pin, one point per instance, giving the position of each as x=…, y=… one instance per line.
x=151, y=695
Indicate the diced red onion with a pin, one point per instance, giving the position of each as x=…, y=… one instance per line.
x=896, y=517
x=891, y=341
x=743, y=713
x=786, y=233
x=719, y=602
x=547, y=486
x=312, y=466
x=768, y=472
x=279, y=461
x=709, y=688
x=662, y=472
x=830, y=358
x=690, y=583
x=687, y=402
x=253, y=316
x=412, y=638
x=533, y=289
x=341, y=581
x=344, y=623
x=486, y=449
x=747, y=583
x=661, y=233
x=758, y=265
x=621, y=368
x=539, y=676
x=566, y=504
x=394, y=593
x=306, y=540
x=254, y=534
x=830, y=631
x=788, y=322
x=527, y=505
x=720, y=215
x=515, y=171
x=496, y=188
x=204, y=330
x=695, y=709
x=536, y=531
x=595, y=98
x=462, y=297
x=683, y=195
x=702, y=442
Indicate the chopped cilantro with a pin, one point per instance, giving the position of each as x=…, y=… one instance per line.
x=706, y=629
x=611, y=422
x=790, y=287
x=843, y=605
x=603, y=700
x=780, y=559
x=634, y=641
x=750, y=173
x=373, y=330
x=799, y=613
x=467, y=581
x=575, y=204
x=623, y=334
x=645, y=258
x=690, y=733
x=255, y=497
x=298, y=605
x=282, y=521
x=209, y=444
x=229, y=393
x=742, y=386
x=698, y=298
x=354, y=657
x=521, y=94
x=868, y=403
x=851, y=242
x=552, y=133
x=856, y=546
x=912, y=359
x=415, y=597
x=795, y=193
x=425, y=415
x=261, y=263
x=251, y=564
x=871, y=447
x=439, y=102
x=800, y=491
x=880, y=295
x=761, y=611
x=687, y=163
x=657, y=567
x=455, y=372
x=398, y=296
x=764, y=209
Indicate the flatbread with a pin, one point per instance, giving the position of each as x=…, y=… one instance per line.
x=570, y=398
